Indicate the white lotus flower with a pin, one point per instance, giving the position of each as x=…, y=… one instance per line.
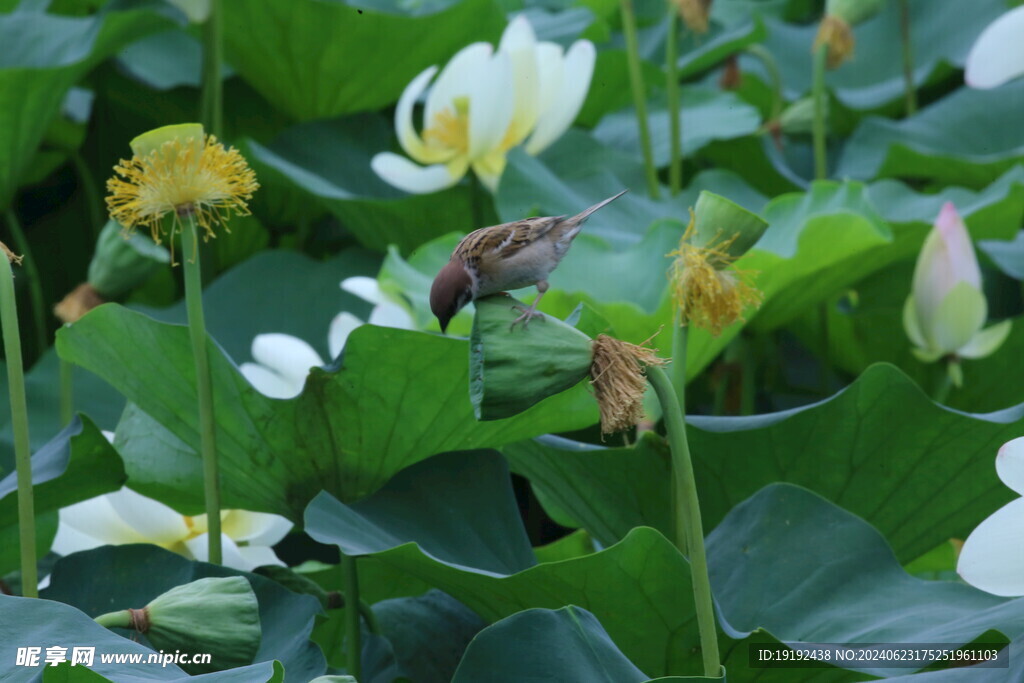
x=283, y=362
x=128, y=517
x=992, y=558
x=946, y=310
x=997, y=56
x=483, y=104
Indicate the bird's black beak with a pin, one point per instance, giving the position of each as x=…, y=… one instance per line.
x=444, y=323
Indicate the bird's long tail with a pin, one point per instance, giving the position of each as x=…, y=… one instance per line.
x=583, y=215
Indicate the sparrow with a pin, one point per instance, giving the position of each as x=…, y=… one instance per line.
x=503, y=257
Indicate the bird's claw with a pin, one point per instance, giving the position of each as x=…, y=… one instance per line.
x=528, y=313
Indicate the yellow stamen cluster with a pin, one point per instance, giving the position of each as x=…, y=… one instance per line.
x=173, y=179
x=710, y=294
x=450, y=129
x=837, y=36
x=617, y=373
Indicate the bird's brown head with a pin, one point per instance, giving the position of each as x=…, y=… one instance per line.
x=452, y=289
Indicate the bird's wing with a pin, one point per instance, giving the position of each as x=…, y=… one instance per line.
x=500, y=242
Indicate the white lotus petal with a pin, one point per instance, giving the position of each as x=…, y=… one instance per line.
x=366, y=288
x=90, y=524
x=1010, y=465
x=556, y=118
x=997, y=55
x=962, y=259
x=286, y=355
x=455, y=80
x=491, y=99
x=200, y=549
x=404, y=128
x=108, y=435
x=341, y=327
x=550, y=74
x=986, y=341
x=258, y=556
x=269, y=383
x=992, y=558
x=154, y=521
x=520, y=44
x=255, y=528
x=911, y=325
x=405, y=175
x=391, y=315
x=959, y=317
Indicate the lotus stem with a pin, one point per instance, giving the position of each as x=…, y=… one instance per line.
x=818, y=90
x=774, y=77
x=636, y=82
x=910, y=93
x=35, y=285
x=212, y=102
x=689, y=530
x=675, y=167
x=19, y=423
x=204, y=389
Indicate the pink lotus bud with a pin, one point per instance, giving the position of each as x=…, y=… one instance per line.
x=946, y=310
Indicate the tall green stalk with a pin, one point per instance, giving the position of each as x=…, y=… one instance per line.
x=689, y=529
x=19, y=423
x=35, y=285
x=909, y=92
x=818, y=131
x=675, y=133
x=204, y=388
x=770, y=64
x=212, y=102
x=353, y=628
x=636, y=82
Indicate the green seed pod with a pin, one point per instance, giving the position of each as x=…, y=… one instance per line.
x=853, y=12
x=121, y=264
x=218, y=616
x=150, y=141
x=511, y=369
x=725, y=224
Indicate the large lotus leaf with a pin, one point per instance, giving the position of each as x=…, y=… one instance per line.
x=44, y=55
x=77, y=464
x=791, y=562
x=578, y=171
x=567, y=644
x=428, y=633
x=942, y=35
x=315, y=59
x=606, y=490
x=822, y=241
x=639, y=588
x=871, y=330
x=28, y=622
x=331, y=162
x=399, y=396
x=277, y=291
x=968, y=138
x=706, y=115
x=131, y=576
x=1007, y=254
x=880, y=448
